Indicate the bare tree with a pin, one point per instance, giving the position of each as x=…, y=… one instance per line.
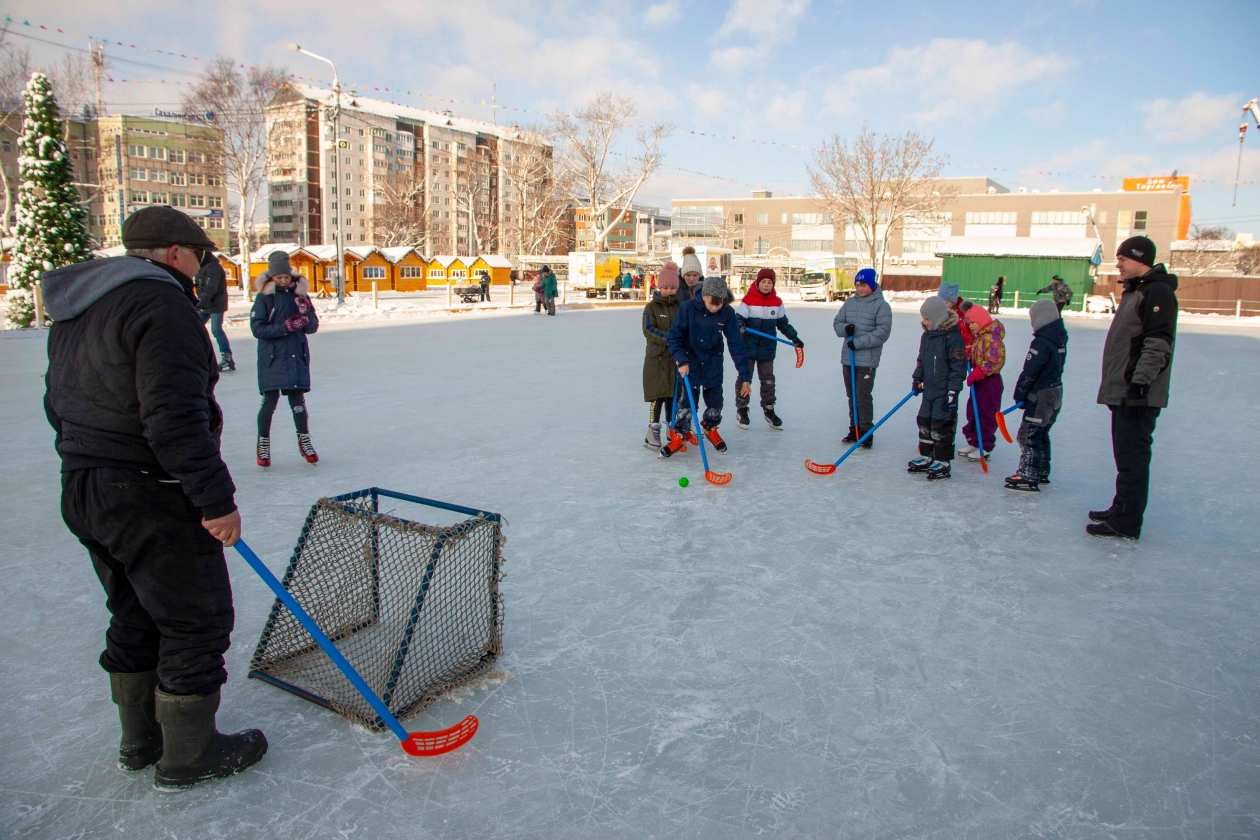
x=1207, y=250
x=238, y=102
x=473, y=198
x=15, y=69
x=400, y=217
x=1247, y=259
x=874, y=183
x=601, y=178
x=537, y=201
x=728, y=228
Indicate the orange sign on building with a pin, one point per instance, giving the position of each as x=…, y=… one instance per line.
x=1166, y=183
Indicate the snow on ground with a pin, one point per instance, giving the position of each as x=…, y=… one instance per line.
x=860, y=655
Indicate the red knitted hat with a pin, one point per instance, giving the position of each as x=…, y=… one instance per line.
x=765, y=273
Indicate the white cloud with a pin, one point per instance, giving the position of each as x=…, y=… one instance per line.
x=763, y=20
x=710, y=103
x=733, y=59
x=948, y=77
x=786, y=111
x=662, y=14
x=1192, y=118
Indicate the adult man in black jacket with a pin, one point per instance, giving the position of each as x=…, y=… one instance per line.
x=130, y=393
x=1137, y=367
x=212, y=303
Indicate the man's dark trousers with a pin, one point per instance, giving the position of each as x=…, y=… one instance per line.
x=1132, y=434
x=165, y=578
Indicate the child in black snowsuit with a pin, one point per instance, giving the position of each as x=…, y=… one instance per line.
x=1040, y=389
x=940, y=374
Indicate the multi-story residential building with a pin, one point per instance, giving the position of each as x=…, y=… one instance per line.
x=800, y=226
x=444, y=175
x=127, y=162
x=622, y=238
x=652, y=231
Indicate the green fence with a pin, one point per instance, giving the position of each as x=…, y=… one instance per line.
x=976, y=275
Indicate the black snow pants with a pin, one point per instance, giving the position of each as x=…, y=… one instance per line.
x=865, y=398
x=1040, y=412
x=1132, y=435
x=938, y=425
x=765, y=373
x=165, y=578
x=712, y=417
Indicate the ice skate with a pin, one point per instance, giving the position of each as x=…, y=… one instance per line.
x=226, y=362
x=967, y=450
x=870, y=439
x=741, y=417
x=773, y=419
x=919, y=465
x=1101, y=515
x=307, y=448
x=977, y=454
x=652, y=440
x=715, y=439
x=852, y=436
x=675, y=444
x=938, y=471
x=1104, y=529
x=264, y=451
x=1018, y=482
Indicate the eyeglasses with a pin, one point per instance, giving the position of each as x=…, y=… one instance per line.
x=199, y=253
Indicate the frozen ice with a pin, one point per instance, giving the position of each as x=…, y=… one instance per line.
x=791, y=655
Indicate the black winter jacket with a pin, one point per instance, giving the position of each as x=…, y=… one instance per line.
x=131, y=376
x=211, y=287
x=1043, y=366
x=942, y=360
x=1140, y=341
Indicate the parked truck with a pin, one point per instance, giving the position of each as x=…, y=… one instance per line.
x=829, y=278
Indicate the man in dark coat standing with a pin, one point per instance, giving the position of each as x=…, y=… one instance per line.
x=212, y=303
x=1136, y=369
x=130, y=394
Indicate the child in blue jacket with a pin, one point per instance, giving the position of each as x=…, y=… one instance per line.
x=1040, y=389
x=695, y=342
x=282, y=317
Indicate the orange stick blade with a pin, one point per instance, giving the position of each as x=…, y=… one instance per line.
x=718, y=478
x=800, y=356
x=821, y=469
x=984, y=463
x=1001, y=424
x=441, y=741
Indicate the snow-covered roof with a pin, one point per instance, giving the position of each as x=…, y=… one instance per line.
x=361, y=251
x=267, y=250
x=1020, y=246
x=323, y=253
x=495, y=260
x=394, y=111
x=398, y=253
x=1214, y=245
x=445, y=260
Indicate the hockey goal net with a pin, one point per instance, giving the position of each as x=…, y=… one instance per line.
x=415, y=608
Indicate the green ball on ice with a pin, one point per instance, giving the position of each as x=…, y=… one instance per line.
x=683, y=482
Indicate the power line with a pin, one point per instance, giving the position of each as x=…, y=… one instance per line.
x=111, y=57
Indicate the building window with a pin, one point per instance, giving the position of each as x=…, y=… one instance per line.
x=178, y=179
x=437, y=274
x=196, y=179
x=157, y=175
x=157, y=198
x=214, y=180
x=1139, y=220
x=737, y=244
x=214, y=201
x=762, y=245
x=196, y=201
x=6, y=145
x=373, y=272
x=811, y=218
x=138, y=197
x=763, y=218
x=177, y=156
x=1056, y=217
x=196, y=157
x=992, y=218
x=215, y=223
x=459, y=274
x=739, y=218
x=921, y=246
x=812, y=245
x=410, y=272
x=138, y=173
x=179, y=200
x=784, y=222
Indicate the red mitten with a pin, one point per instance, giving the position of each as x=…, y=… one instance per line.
x=303, y=304
x=975, y=376
x=296, y=323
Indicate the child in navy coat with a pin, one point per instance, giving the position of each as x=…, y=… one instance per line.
x=939, y=376
x=695, y=342
x=1040, y=389
x=281, y=319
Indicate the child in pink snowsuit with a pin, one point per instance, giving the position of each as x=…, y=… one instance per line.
x=987, y=354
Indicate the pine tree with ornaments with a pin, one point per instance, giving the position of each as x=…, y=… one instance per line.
x=51, y=220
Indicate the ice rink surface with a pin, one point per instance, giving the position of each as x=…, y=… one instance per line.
x=860, y=655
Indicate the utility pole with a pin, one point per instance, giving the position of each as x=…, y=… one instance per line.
x=494, y=100
x=98, y=67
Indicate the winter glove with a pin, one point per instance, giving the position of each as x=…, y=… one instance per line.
x=303, y=304
x=951, y=400
x=798, y=343
x=850, y=344
x=296, y=323
x=975, y=376
x=916, y=385
x=1135, y=400
x=849, y=330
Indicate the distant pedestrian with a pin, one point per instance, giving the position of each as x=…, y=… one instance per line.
x=539, y=301
x=212, y=304
x=1062, y=292
x=1137, y=366
x=995, y=296
x=548, y=289
x=483, y=279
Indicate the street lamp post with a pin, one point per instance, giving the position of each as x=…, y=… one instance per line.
x=335, y=146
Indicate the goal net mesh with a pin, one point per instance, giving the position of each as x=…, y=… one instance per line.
x=415, y=608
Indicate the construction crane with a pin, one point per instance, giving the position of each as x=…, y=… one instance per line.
x=1254, y=107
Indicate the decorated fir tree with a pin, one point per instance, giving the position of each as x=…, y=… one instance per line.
x=50, y=220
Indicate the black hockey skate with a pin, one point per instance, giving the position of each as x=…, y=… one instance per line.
x=919, y=465
x=741, y=417
x=773, y=419
x=1018, y=482
x=715, y=439
x=939, y=471
x=226, y=363
x=870, y=439
x=852, y=436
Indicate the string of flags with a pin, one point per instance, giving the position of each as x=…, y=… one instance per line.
x=483, y=103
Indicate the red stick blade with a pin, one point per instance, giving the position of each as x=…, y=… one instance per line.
x=821, y=469
x=442, y=741
x=1001, y=424
x=800, y=356
x=718, y=478
x=984, y=463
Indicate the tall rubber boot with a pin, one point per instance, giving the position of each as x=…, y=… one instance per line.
x=195, y=751
x=141, y=744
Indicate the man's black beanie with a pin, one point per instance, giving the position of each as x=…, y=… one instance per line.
x=162, y=227
x=1137, y=248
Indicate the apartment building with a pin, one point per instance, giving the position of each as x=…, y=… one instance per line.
x=388, y=160
x=799, y=227
x=127, y=162
x=622, y=238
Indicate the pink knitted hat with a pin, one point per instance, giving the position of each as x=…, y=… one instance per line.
x=667, y=280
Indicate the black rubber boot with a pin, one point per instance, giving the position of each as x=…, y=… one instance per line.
x=141, y=744
x=195, y=751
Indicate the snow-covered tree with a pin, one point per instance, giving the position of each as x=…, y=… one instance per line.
x=50, y=220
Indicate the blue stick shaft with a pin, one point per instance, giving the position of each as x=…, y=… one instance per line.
x=318, y=635
x=771, y=337
x=872, y=429
x=1012, y=408
x=695, y=422
x=975, y=409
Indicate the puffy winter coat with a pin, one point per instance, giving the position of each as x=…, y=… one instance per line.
x=871, y=317
x=659, y=369
x=1139, y=345
x=988, y=351
x=695, y=339
x=942, y=360
x=284, y=358
x=131, y=376
x=764, y=313
x=549, y=284
x=211, y=284
x=1061, y=291
x=1043, y=366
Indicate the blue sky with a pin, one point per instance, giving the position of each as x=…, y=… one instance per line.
x=1090, y=88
